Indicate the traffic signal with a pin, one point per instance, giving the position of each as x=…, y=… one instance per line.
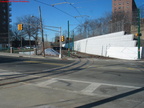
x=68, y=38
x=62, y=38
x=138, y=34
x=20, y=26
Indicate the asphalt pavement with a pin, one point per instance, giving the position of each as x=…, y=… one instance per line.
x=83, y=83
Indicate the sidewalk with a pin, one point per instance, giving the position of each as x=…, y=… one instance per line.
x=29, y=56
x=36, y=56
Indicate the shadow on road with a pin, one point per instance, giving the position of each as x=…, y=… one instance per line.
x=94, y=104
x=9, y=60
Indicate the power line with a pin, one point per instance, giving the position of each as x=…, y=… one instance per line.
x=73, y=7
x=86, y=1
x=57, y=9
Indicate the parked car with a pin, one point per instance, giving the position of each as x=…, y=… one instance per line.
x=27, y=47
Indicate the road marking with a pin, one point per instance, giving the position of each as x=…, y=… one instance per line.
x=88, y=90
x=111, y=67
x=9, y=73
x=131, y=68
x=43, y=63
x=2, y=70
x=91, y=88
x=54, y=64
x=46, y=83
x=98, y=83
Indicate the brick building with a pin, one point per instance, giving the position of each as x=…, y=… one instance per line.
x=126, y=11
x=4, y=23
x=124, y=6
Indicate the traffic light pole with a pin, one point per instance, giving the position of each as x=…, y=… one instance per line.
x=68, y=42
x=60, y=55
x=138, y=33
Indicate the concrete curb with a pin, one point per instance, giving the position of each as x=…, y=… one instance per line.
x=35, y=56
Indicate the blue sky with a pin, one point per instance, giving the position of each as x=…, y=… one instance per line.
x=58, y=17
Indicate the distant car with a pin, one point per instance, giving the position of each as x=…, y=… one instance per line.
x=27, y=47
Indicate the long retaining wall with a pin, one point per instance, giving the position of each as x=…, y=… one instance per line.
x=117, y=45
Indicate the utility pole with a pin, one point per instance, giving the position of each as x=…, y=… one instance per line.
x=60, y=55
x=139, y=34
x=41, y=26
x=68, y=42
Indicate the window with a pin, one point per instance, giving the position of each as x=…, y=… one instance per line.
x=4, y=11
x=119, y=7
x=3, y=22
x=4, y=16
x=115, y=8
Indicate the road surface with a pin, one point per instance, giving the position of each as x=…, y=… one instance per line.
x=81, y=83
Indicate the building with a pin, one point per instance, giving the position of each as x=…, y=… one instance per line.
x=4, y=23
x=127, y=7
x=125, y=11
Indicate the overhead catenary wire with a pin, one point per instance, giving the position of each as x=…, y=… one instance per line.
x=57, y=9
x=51, y=30
x=73, y=7
x=86, y=1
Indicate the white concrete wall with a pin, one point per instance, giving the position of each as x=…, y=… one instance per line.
x=129, y=53
x=103, y=45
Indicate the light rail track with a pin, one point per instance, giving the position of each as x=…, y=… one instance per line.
x=35, y=76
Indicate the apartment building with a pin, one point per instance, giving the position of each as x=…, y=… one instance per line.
x=125, y=7
x=4, y=23
x=126, y=12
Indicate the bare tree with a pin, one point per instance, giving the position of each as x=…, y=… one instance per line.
x=123, y=21
x=93, y=27
x=30, y=27
x=16, y=34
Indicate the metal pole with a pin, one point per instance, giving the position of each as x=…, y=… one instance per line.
x=60, y=56
x=8, y=28
x=21, y=41
x=73, y=41
x=68, y=42
x=138, y=33
x=41, y=26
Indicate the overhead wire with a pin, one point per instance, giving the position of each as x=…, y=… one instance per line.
x=57, y=9
x=86, y=1
x=73, y=7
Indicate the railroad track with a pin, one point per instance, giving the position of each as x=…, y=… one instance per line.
x=35, y=76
